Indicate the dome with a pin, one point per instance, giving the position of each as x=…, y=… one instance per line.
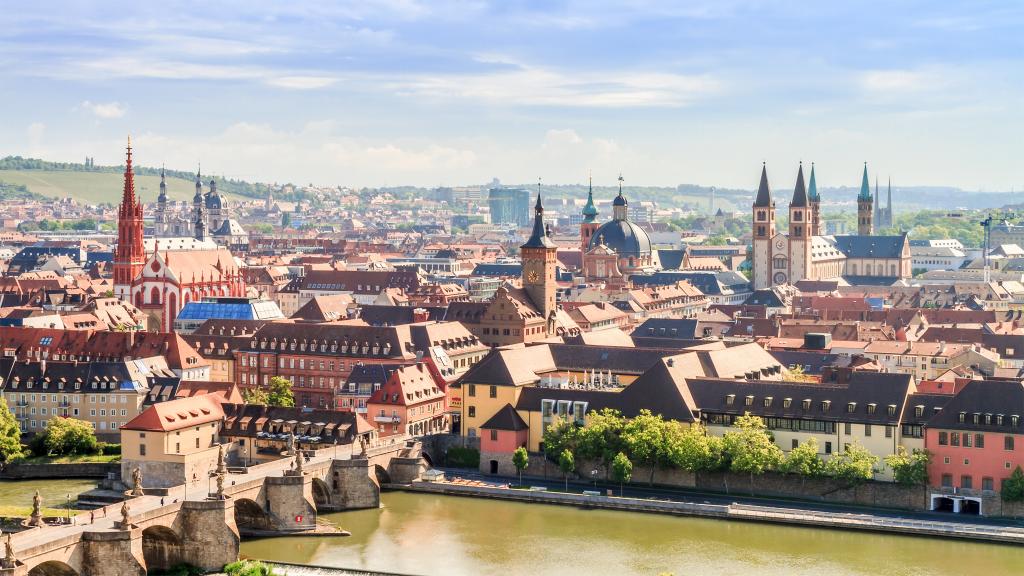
x=622, y=236
x=620, y=200
x=215, y=202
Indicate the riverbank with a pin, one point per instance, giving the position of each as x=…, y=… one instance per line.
x=49, y=470
x=743, y=512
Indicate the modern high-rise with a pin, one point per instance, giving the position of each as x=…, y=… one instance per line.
x=509, y=206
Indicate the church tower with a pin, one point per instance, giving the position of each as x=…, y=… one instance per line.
x=800, y=222
x=160, y=218
x=865, y=211
x=589, y=224
x=763, y=231
x=538, y=256
x=129, y=256
x=815, y=200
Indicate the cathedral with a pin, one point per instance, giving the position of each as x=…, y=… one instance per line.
x=161, y=275
x=805, y=253
x=612, y=251
x=209, y=217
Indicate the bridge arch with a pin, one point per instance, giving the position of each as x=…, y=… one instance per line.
x=381, y=473
x=251, y=516
x=321, y=493
x=53, y=568
x=161, y=548
x=427, y=458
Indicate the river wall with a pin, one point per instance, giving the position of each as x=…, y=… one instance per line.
x=25, y=471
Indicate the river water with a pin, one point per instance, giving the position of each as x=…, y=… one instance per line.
x=424, y=534
x=53, y=492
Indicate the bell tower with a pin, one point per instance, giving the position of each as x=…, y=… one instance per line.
x=589, y=224
x=800, y=222
x=129, y=256
x=865, y=212
x=763, y=231
x=538, y=256
x=815, y=200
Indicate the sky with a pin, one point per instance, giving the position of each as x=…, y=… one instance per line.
x=410, y=92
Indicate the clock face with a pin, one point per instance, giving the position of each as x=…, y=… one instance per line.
x=780, y=278
x=532, y=276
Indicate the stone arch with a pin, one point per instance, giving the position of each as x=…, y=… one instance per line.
x=161, y=548
x=53, y=568
x=381, y=474
x=321, y=493
x=251, y=516
x=427, y=458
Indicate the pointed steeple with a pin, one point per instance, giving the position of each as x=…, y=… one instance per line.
x=764, y=193
x=162, y=198
x=889, y=204
x=539, y=237
x=128, y=197
x=812, y=187
x=865, y=187
x=799, y=191
x=590, y=210
x=199, y=185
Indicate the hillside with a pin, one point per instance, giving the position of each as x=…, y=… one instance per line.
x=99, y=184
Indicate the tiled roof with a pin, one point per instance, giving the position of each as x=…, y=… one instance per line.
x=177, y=414
x=506, y=418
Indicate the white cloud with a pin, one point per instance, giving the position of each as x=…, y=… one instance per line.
x=102, y=110
x=301, y=82
x=888, y=81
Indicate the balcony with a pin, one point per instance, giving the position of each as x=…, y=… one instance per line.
x=387, y=419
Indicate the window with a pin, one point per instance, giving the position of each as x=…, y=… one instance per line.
x=729, y=399
x=947, y=480
x=967, y=440
x=494, y=435
x=945, y=460
x=828, y=447
x=795, y=443
x=966, y=481
x=867, y=429
x=987, y=483
x=943, y=438
x=472, y=411
x=472, y=389
x=749, y=401
x=197, y=442
x=888, y=431
x=979, y=440
x=142, y=449
x=848, y=428
x=954, y=439
x=1007, y=442
x=493, y=392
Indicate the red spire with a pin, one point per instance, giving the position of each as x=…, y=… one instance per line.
x=128, y=198
x=129, y=256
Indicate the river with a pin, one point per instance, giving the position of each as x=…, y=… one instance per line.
x=53, y=492
x=432, y=535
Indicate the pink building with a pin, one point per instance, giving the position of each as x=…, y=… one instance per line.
x=976, y=441
x=410, y=402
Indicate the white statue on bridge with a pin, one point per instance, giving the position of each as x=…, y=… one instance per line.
x=125, y=510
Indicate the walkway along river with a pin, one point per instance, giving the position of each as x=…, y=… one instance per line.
x=444, y=535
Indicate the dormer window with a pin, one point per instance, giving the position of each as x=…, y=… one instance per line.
x=768, y=402
x=787, y=402
x=871, y=408
x=976, y=418
x=963, y=417
x=749, y=401
x=825, y=405
x=919, y=411
x=988, y=419
x=851, y=407
x=807, y=404
x=730, y=399
x=1013, y=420
x=892, y=409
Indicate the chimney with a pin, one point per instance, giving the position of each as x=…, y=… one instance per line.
x=420, y=315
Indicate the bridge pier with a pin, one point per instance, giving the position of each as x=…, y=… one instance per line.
x=116, y=552
x=354, y=483
x=209, y=537
x=290, y=502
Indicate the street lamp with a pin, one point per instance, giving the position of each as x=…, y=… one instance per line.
x=69, y=507
x=593, y=476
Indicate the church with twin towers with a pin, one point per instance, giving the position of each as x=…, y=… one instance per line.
x=803, y=252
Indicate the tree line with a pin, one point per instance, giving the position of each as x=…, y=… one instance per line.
x=747, y=448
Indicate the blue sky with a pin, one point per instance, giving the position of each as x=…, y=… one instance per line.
x=388, y=92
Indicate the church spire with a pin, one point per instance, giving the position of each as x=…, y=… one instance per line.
x=799, y=191
x=812, y=187
x=539, y=237
x=865, y=187
x=590, y=210
x=764, y=193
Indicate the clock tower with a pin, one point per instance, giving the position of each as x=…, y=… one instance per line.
x=538, y=256
x=763, y=232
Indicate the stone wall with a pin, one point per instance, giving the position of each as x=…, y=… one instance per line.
x=539, y=467
x=354, y=485
x=405, y=470
x=436, y=445
x=876, y=494
x=24, y=471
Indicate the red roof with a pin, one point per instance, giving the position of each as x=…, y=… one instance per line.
x=179, y=413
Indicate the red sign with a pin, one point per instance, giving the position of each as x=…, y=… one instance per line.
x=298, y=518
x=455, y=402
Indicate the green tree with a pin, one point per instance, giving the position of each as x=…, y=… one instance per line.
x=855, y=464
x=622, y=470
x=750, y=448
x=1013, y=487
x=804, y=460
x=255, y=396
x=10, y=435
x=566, y=463
x=601, y=438
x=693, y=450
x=650, y=441
x=280, y=393
x=521, y=460
x=65, y=436
x=909, y=469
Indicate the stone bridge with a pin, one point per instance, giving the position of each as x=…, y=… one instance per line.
x=168, y=529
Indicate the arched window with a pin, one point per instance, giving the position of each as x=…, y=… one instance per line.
x=138, y=299
x=172, y=304
x=154, y=295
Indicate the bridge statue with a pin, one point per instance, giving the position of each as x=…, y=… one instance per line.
x=222, y=467
x=9, y=560
x=137, y=482
x=125, y=510
x=291, y=443
x=220, y=486
x=298, y=462
x=36, y=519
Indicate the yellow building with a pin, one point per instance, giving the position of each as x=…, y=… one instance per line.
x=174, y=442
